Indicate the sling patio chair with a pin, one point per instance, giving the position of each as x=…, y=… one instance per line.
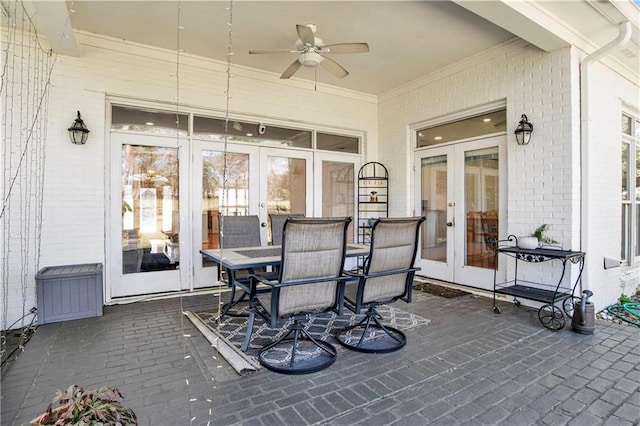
x=386, y=277
x=235, y=232
x=310, y=280
x=277, y=223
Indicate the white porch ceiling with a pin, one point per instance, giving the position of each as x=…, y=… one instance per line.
x=408, y=39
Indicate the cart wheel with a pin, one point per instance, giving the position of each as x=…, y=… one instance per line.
x=551, y=317
x=567, y=305
x=496, y=309
x=517, y=303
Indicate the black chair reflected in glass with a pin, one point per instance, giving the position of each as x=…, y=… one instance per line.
x=387, y=276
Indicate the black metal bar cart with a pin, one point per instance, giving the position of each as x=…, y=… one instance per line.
x=549, y=314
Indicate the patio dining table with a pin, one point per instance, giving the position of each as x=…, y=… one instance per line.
x=256, y=257
x=241, y=258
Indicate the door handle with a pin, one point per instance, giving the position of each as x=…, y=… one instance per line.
x=263, y=224
x=449, y=224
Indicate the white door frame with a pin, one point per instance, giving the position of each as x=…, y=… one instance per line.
x=122, y=285
x=454, y=269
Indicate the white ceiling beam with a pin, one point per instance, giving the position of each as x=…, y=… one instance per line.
x=52, y=20
x=523, y=19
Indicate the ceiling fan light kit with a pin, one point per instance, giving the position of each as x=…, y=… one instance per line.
x=310, y=50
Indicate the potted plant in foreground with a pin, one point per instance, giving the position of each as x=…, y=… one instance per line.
x=79, y=406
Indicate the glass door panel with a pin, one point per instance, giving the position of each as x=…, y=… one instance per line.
x=222, y=185
x=338, y=191
x=286, y=188
x=285, y=185
x=433, y=199
x=150, y=215
x=231, y=198
x=481, y=194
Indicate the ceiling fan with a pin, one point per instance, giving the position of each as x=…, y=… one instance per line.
x=311, y=51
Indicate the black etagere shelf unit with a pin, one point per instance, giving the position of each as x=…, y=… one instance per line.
x=373, y=198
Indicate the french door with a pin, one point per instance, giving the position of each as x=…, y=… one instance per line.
x=460, y=191
x=147, y=213
x=166, y=196
x=244, y=180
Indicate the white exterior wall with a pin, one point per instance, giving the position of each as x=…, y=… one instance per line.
x=76, y=185
x=608, y=95
x=543, y=178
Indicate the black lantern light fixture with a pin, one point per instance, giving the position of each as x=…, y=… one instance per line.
x=523, y=131
x=78, y=133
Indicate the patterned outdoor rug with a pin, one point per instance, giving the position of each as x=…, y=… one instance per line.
x=320, y=326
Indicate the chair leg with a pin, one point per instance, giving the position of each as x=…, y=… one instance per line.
x=299, y=354
x=367, y=340
x=247, y=337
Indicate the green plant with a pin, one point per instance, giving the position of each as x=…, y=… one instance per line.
x=624, y=299
x=81, y=407
x=540, y=232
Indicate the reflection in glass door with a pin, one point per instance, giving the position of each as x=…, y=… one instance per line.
x=285, y=185
x=338, y=191
x=223, y=187
x=231, y=198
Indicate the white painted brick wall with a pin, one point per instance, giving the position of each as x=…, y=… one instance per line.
x=74, y=213
x=544, y=178
x=540, y=185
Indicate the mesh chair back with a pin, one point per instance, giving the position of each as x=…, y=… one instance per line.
x=312, y=248
x=393, y=247
x=239, y=231
x=277, y=224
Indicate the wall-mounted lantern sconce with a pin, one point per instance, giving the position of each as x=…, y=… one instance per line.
x=523, y=131
x=78, y=133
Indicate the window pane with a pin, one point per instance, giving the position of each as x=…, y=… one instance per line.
x=484, y=124
x=624, y=236
x=148, y=121
x=625, y=171
x=626, y=124
x=637, y=238
x=240, y=131
x=337, y=143
x=637, y=183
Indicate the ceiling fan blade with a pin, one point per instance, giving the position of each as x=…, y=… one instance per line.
x=259, y=52
x=333, y=67
x=346, y=48
x=295, y=66
x=306, y=35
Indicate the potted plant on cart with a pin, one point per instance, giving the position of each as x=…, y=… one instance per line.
x=537, y=239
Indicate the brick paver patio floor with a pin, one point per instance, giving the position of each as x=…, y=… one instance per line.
x=469, y=366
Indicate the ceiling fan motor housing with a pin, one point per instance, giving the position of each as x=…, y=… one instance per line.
x=310, y=59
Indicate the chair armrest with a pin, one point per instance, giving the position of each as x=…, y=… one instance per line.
x=381, y=273
x=263, y=279
x=309, y=281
